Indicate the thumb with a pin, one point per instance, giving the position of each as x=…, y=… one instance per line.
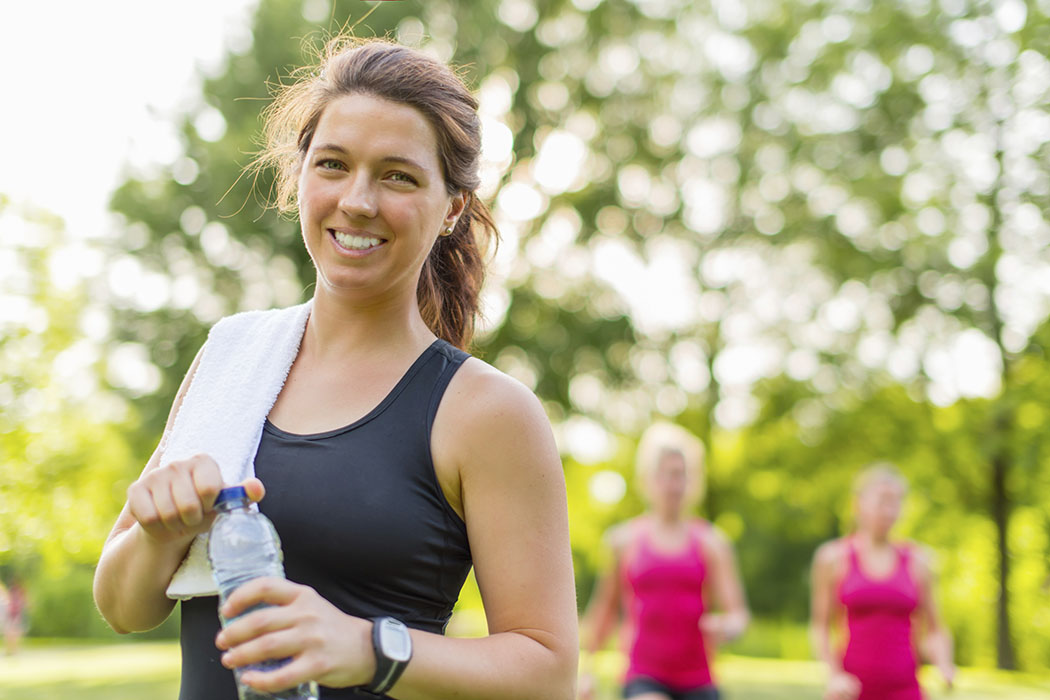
x=255, y=489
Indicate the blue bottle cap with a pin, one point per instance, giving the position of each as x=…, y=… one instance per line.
x=231, y=493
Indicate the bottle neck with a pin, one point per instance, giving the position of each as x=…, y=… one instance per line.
x=232, y=505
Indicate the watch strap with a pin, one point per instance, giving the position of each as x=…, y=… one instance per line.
x=387, y=670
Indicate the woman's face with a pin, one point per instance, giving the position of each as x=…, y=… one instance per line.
x=669, y=483
x=879, y=506
x=372, y=197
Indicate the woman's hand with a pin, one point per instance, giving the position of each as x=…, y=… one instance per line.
x=586, y=686
x=947, y=669
x=722, y=628
x=842, y=686
x=173, y=503
x=325, y=644
x=712, y=625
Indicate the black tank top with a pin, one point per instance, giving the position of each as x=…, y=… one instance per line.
x=362, y=520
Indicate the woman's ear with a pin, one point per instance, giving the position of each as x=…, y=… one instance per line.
x=456, y=207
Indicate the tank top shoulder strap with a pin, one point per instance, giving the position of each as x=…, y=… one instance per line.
x=634, y=541
x=906, y=560
x=697, y=529
x=453, y=358
x=852, y=556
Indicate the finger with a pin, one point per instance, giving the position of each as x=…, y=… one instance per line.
x=187, y=503
x=207, y=479
x=254, y=622
x=254, y=487
x=264, y=590
x=164, y=504
x=279, y=643
x=140, y=504
x=299, y=670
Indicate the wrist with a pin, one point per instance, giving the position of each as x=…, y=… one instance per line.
x=161, y=549
x=392, y=650
x=368, y=668
x=833, y=668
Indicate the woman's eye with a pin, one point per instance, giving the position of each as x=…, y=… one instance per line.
x=330, y=164
x=403, y=177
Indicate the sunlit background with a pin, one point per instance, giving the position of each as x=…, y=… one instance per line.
x=813, y=232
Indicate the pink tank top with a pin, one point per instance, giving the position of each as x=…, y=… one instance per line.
x=880, y=651
x=663, y=595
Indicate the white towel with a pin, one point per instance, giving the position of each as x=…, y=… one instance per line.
x=242, y=369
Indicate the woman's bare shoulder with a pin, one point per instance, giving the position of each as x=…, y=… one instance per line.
x=480, y=388
x=831, y=554
x=618, y=537
x=713, y=539
x=491, y=422
x=923, y=560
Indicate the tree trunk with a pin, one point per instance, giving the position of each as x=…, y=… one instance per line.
x=1004, y=648
x=1001, y=459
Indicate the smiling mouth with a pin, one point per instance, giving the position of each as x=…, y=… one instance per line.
x=350, y=242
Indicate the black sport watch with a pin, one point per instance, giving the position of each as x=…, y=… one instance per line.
x=393, y=648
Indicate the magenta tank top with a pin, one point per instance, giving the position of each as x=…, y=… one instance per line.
x=663, y=597
x=880, y=651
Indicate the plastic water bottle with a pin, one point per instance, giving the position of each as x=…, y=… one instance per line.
x=243, y=545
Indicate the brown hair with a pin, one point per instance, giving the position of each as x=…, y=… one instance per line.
x=451, y=279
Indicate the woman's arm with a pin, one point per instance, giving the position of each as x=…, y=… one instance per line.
x=733, y=616
x=603, y=609
x=936, y=641
x=166, y=508
x=826, y=566
x=494, y=431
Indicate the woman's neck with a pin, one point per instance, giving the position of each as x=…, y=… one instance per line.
x=341, y=330
x=872, y=539
x=668, y=519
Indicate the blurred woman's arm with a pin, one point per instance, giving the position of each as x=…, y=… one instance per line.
x=603, y=609
x=826, y=565
x=935, y=644
x=725, y=584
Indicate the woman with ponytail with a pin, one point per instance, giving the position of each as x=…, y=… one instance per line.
x=392, y=460
x=879, y=592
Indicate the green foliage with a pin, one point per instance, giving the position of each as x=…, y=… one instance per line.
x=65, y=460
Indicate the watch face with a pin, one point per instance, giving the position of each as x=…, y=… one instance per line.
x=394, y=640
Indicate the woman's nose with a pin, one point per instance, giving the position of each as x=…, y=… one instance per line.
x=358, y=197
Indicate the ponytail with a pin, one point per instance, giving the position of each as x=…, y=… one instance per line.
x=449, y=291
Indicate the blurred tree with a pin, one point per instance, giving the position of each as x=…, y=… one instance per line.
x=64, y=455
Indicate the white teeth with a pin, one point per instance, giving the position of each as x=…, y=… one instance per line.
x=356, y=242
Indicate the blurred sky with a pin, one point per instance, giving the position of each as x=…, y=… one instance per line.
x=90, y=89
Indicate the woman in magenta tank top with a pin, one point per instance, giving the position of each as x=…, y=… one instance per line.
x=883, y=590
x=668, y=565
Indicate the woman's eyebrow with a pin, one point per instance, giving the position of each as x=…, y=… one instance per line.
x=404, y=160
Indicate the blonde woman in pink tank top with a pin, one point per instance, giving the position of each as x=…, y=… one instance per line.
x=882, y=591
x=668, y=566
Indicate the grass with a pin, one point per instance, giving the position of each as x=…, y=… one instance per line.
x=150, y=671
x=60, y=671
x=753, y=678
